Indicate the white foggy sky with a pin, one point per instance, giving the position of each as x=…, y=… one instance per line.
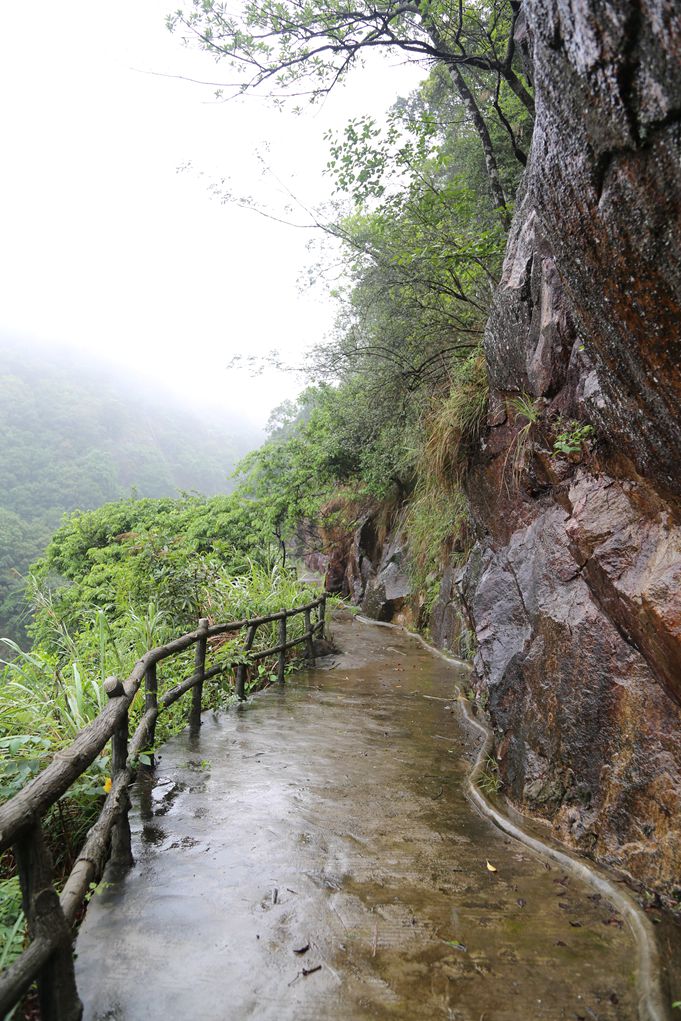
x=106, y=247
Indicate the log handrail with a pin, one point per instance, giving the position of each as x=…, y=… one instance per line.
x=48, y=957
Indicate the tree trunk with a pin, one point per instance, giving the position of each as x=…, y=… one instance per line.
x=514, y=83
x=473, y=110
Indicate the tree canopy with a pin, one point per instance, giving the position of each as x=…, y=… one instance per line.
x=308, y=47
x=400, y=386
x=299, y=49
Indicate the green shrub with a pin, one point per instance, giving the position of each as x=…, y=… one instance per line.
x=433, y=519
x=437, y=515
x=572, y=438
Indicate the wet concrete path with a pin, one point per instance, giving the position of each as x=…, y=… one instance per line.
x=331, y=813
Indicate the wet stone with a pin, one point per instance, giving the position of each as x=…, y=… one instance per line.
x=343, y=793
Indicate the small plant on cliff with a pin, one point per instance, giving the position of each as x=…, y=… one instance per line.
x=528, y=408
x=489, y=780
x=467, y=644
x=573, y=436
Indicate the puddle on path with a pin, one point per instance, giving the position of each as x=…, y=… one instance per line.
x=331, y=814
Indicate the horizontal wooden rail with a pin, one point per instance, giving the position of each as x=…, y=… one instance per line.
x=173, y=694
x=221, y=629
x=266, y=653
x=48, y=957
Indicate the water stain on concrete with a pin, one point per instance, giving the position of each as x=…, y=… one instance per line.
x=324, y=863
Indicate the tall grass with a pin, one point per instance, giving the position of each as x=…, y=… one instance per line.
x=42, y=708
x=437, y=518
x=46, y=697
x=455, y=424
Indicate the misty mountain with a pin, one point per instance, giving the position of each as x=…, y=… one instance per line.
x=75, y=435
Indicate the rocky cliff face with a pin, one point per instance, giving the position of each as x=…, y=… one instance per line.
x=574, y=586
x=368, y=566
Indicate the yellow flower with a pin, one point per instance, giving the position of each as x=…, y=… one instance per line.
x=107, y=784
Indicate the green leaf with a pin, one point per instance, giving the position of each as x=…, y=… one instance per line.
x=456, y=944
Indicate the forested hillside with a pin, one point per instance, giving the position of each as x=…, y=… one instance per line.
x=74, y=436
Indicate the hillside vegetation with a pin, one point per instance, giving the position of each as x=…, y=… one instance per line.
x=421, y=207
x=113, y=583
x=75, y=437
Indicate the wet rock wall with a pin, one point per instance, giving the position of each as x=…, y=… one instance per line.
x=574, y=584
x=369, y=567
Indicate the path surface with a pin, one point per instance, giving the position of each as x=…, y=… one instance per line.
x=331, y=813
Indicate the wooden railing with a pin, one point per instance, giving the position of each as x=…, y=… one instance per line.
x=48, y=958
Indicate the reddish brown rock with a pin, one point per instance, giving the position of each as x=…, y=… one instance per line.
x=573, y=587
x=629, y=551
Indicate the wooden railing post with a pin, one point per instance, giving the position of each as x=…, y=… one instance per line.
x=322, y=617
x=309, y=640
x=59, y=1000
x=151, y=702
x=121, y=841
x=282, y=651
x=199, y=668
x=241, y=667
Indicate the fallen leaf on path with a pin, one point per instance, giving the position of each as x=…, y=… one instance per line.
x=456, y=944
x=490, y=867
x=575, y=925
x=311, y=971
x=302, y=950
